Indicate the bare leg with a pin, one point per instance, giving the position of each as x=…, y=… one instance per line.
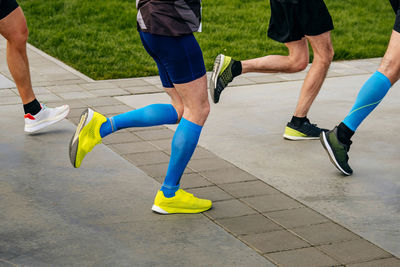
x=323, y=55
x=297, y=60
x=390, y=65
x=14, y=29
x=195, y=100
x=176, y=101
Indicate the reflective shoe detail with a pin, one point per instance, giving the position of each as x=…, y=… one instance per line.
x=306, y=131
x=86, y=136
x=45, y=117
x=182, y=202
x=221, y=76
x=336, y=150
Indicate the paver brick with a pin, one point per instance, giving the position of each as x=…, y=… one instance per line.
x=325, y=233
x=212, y=193
x=297, y=217
x=145, y=158
x=249, y=224
x=113, y=109
x=229, y=208
x=98, y=85
x=229, y=174
x=193, y=180
x=73, y=104
x=101, y=101
x=275, y=202
x=120, y=138
x=135, y=147
x=76, y=95
x=75, y=112
x=203, y=165
x=249, y=188
x=159, y=170
x=389, y=262
x=10, y=100
x=155, y=134
x=355, y=251
x=201, y=153
x=143, y=89
x=303, y=257
x=163, y=144
x=110, y=92
x=274, y=241
x=152, y=128
x=129, y=82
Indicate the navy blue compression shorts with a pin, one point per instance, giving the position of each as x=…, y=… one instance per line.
x=6, y=7
x=179, y=59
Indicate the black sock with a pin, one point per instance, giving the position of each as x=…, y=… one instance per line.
x=32, y=107
x=344, y=133
x=298, y=121
x=236, y=68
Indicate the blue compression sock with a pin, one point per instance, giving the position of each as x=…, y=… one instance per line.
x=151, y=115
x=183, y=144
x=370, y=95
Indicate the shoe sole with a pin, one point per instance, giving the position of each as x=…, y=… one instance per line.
x=214, y=77
x=74, y=143
x=159, y=210
x=328, y=149
x=46, y=123
x=299, y=138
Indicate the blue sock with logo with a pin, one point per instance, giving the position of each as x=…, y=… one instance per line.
x=151, y=115
x=370, y=95
x=183, y=145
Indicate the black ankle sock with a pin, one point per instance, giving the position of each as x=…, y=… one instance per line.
x=236, y=68
x=344, y=133
x=297, y=121
x=32, y=107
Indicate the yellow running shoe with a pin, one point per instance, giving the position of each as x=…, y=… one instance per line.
x=182, y=202
x=86, y=137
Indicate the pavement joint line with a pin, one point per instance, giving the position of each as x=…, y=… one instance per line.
x=6, y=261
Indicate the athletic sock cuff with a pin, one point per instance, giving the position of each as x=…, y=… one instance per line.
x=32, y=107
x=193, y=126
x=344, y=133
x=383, y=77
x=236, y=68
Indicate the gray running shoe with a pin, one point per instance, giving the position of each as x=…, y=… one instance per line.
x=336, y=150
x=221, y=76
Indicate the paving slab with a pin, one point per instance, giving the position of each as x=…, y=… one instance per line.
x=55, y=215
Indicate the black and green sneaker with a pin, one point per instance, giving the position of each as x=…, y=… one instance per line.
x=221, y=76
x=337, y=151
x=306, y=131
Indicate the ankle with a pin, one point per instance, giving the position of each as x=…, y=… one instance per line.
x=344, y=133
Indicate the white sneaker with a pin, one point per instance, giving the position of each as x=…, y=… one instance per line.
x=45, y=117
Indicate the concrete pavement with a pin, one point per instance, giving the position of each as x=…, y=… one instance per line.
x=270, y=204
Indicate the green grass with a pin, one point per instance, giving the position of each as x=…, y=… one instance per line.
x=99, y=37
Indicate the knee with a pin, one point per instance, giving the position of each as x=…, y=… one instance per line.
x=19, y=37
x=390, y=68
x=204, y=109
x=325, y=58
x=298, y=64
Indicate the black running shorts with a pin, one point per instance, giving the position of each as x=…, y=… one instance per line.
x=6, y=7
x=291, y=20
x=396, y=8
